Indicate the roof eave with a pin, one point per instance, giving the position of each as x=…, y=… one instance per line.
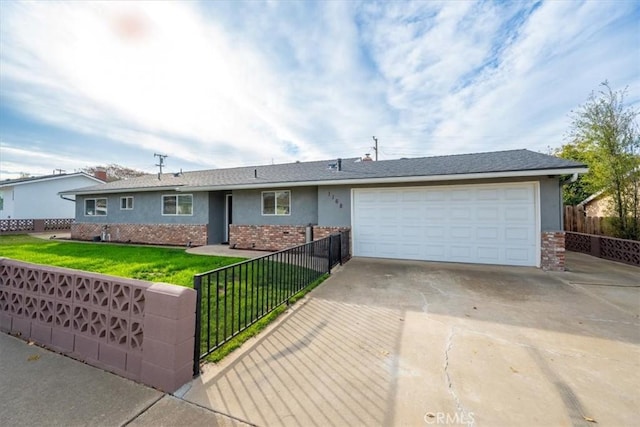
x=390, y=180
x=118, y=190
x=50, y=178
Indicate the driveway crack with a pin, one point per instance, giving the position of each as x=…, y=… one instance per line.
x=462, y=412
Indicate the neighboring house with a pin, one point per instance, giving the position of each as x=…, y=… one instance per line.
x=491, y=208
x=597, y=205
x=38, y=198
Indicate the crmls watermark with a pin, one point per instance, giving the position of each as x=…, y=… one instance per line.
x=446, y=418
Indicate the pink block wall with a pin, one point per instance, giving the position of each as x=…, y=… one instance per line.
x=140, y=330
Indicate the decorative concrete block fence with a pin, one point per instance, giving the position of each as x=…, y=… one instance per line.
x=140, y=330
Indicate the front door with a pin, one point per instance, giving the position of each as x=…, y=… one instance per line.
x=228, y=217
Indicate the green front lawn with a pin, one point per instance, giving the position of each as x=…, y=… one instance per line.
x=156, y=264
x=244, y=291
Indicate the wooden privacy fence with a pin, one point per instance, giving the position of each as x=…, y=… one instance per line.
x=575, y=220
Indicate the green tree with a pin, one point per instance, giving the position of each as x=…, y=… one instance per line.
x=576, y=191
x=604, y=135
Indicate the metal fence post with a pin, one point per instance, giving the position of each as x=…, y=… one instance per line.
x=329, y=258
x=197, y=286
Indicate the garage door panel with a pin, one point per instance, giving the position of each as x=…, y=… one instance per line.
x=461, y=252
x=462, y=195
x=517, y=233
x=460, y=213
x=487, y=233
x=518, y=213
x=412, y=196
x=488, y=254
x=488, y=213
x=434, y=233
x=517, y=255
x=435, y=252
x=461, y=233
x=488, y=194
x=515, y=194
x=436, y=196
x=388, y=197
x=493, y=224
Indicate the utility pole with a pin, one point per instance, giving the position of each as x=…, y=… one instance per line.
x=375, y=148
x=160, y=163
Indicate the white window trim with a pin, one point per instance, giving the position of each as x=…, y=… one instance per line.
x=125, y=208
x=95, y=199
x=176, y=196
x=276, y=203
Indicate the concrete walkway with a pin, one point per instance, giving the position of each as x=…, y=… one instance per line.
x=225, y=250
x=212, y=250
x=42, y=388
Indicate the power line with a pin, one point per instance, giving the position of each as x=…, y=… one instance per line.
x=160, y=163
x=375, y=148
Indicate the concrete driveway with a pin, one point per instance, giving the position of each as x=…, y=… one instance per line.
x=386, y=343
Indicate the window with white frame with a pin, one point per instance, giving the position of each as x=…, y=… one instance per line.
x=126, y=203
x=93, y=207
x=276, y=202
x=179, y=204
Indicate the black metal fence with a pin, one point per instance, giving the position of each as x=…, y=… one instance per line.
x=232, y=298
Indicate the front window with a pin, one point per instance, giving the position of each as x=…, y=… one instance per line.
x=276, y=202
x=93, y=207
x=126, y=203
x=180, y=204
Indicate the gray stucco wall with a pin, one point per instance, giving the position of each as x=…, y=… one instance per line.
x=550, y=204
x=324, y=206
x=334, y=206
x=247, y=207
x=147, y=209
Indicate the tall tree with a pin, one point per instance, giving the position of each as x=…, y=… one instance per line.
x=604, y=134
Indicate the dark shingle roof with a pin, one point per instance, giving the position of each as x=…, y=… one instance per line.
x=351, y=169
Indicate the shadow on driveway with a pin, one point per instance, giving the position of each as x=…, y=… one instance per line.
x=409, y=343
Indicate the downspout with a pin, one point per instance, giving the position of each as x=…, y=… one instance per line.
x=66, y=198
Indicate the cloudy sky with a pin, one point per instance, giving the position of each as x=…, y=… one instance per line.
x=220, y=84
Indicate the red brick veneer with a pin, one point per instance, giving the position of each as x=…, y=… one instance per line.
x=552, y=251
x=274, y=237
x=158, y=234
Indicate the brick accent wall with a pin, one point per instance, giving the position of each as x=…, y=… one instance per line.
x=157, y=234
x=552, y=251
x=322, y=232
x=274, y=237
x=266, y=237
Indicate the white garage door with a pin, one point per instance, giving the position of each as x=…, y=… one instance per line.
x=485, y=224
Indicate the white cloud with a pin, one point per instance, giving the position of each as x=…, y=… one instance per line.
x=223, y=84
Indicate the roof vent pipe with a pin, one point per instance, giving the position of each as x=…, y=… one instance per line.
x=339, y=164
x=255, y=173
